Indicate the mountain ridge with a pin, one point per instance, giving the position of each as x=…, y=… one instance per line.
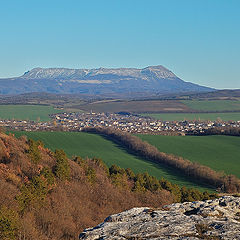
x=150, y=80
x=69, y=72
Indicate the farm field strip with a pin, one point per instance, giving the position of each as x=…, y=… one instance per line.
x=134, y=106
x=93, y=145
x=221, y=153
x=213, y=105
x=155, y=106
x=27, y=112
x=234, y=116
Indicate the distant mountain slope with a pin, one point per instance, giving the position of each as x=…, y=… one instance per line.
x=149, y=80
x=220, y=94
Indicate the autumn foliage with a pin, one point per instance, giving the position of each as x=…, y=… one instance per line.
x=45, y=195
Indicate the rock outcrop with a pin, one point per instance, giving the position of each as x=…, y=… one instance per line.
x=211, y=219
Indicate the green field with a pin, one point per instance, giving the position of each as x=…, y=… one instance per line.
x=144, y=106
x=217, y=152
x=213, y=105
x=157, y=106
x=27, y=112
x=90, y=145
x=234, y=116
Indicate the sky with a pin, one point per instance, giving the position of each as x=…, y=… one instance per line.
x=198, y=40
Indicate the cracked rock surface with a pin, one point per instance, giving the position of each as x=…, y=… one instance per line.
x=211, y=219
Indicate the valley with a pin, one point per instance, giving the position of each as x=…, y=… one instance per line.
x=119, y=120
x=173, y=120
x=93, y=145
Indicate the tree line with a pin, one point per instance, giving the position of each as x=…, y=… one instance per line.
x=230, y=131
x=197, y=172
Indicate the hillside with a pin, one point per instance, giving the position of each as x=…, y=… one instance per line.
x=220, y=94
x=102, y=81
x=94, y=145
x=129, y=151
x=45, y=195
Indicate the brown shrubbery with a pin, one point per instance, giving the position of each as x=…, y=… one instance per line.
x=196, y=171
x=44, y=195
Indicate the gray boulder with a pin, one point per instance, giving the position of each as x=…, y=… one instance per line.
x=211, y=219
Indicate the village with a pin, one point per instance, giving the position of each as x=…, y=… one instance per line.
x=72, y=121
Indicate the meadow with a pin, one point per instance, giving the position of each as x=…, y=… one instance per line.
x=93, y=145
x=27, y=112
x=134, y=106
x=213, y=105
x=227, y=116
x=221, y=153
x=157, y=106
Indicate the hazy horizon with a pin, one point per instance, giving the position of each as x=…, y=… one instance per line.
x=196, y=40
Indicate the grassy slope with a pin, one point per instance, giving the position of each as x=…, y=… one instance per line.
x=85, y=144
x=217, y=152
x=213, y=105
x=235, y=116
x=26, y=112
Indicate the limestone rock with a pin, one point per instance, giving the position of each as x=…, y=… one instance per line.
x=211, y=219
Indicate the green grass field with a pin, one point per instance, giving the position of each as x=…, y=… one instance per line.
x=27, y=112
x=234, y=116
x=217, y=152
x=143, y=106
x=90, y=145
x=213, y=105
x=156, y=106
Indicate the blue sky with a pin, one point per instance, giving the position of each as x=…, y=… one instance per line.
x=199, y=40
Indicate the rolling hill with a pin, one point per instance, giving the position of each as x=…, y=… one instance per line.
x=94, y=145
